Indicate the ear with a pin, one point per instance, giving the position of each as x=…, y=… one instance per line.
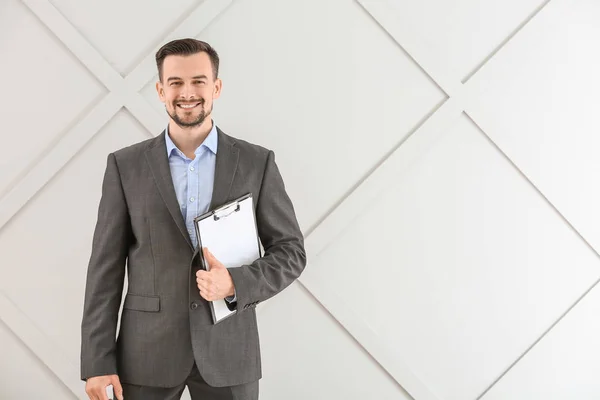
x=160, y=90
x=218, y=88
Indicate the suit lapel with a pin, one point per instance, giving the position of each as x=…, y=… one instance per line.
x=156, y=155
x=226, y=165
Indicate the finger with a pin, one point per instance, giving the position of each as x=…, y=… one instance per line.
x=212, y=260
x=209, y=291
x=117, y=388
x=206, y=296
x=103, y=395
x=207, y=254
x=205, y=281
x=202, y=273
x=204, y=278
x=91, y=392
x=99, y=393
x=208, y=287
x=212, y=296
x=203, y=287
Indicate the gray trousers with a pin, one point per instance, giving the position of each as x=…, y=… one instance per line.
x=199, y=390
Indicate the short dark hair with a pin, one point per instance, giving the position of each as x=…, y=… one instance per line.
x=186, y=47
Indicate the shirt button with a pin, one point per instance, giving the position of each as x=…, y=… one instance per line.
x=192, y=199
x=193, y=306
x=191, y=168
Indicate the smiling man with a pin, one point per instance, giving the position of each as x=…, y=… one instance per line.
x=152, y=192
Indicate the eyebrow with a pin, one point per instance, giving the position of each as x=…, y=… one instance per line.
x=174, y=78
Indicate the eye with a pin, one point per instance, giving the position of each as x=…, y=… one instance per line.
x=175, y=83
x=199, y=82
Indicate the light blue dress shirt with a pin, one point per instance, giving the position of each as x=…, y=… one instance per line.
x=193, y=180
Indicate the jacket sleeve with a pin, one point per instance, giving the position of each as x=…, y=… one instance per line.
x=105, y=275
x=284, y=257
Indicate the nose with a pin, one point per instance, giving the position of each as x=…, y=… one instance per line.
x=187, y=93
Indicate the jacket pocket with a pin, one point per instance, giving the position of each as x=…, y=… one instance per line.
x=142, y=303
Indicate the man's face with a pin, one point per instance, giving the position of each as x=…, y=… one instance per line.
x=188, y=88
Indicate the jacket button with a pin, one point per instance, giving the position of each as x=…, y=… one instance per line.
x=193, y=306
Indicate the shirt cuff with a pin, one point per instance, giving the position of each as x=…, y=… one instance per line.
x=231, y=299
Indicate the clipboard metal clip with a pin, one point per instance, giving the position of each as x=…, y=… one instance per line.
x=226, y=211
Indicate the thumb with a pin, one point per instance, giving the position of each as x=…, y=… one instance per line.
x=117, y=388
x=210, y=258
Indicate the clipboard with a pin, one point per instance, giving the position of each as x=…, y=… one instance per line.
x=230, y=233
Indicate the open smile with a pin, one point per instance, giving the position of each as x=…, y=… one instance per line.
x=188, y=106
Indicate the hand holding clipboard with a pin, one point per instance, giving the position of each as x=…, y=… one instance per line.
x=231, y=234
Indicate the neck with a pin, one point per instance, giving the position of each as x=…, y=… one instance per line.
x=188, y=139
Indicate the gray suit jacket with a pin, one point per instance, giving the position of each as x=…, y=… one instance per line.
x=165, y=324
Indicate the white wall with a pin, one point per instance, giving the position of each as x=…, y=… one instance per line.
x=441, y=155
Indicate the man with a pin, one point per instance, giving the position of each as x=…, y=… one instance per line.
x=150, y=195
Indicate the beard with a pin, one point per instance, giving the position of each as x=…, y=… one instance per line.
x=202, y=115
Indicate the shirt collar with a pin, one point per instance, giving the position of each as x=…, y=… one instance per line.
x=211, y=142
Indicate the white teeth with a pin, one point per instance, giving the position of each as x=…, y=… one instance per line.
x=187, y=105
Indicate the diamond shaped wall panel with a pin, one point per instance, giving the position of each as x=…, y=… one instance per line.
x=538, y=100
x=456, y=267
x=564, y=365
x=332, y=100
x=460, y=34
x=125, y=31
x=38, y=74
x=314, y=338
x=20, y=368
x=149, y=93
x=58, y=224
x=453, y=272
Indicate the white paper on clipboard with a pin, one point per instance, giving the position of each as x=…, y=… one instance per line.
x=231, y=235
